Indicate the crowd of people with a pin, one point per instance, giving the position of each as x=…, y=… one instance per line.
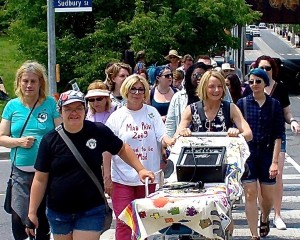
x=122, y=127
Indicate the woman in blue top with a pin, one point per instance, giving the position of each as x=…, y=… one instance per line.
x=162, y=92
x=31, y=90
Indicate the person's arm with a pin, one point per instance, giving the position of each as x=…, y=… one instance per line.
x=288, y=117
x=9, y=142
x=183, y=127
x=171, y=117
x=37, y=192
x=273, y=171
x=128, y=156
x=240, y=123
x=107, y=173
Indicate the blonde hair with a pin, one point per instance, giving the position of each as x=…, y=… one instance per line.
x=130, y=81
x=98, y=84
x=39, y=70
x=201, y=90
x=112, y=71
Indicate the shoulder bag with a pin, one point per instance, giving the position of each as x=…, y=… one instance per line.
x=8, y=194
x=83, y=164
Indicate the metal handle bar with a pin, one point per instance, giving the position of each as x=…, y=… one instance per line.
x=209, y=134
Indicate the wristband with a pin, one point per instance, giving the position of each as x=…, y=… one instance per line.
x=293, y=120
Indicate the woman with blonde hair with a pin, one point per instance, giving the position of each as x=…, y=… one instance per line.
x=115, y=76
x=219, y=115
x=25, y=120
x=139, y=125
x=99, y=102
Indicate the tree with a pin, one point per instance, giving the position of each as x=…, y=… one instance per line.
x=86, y=42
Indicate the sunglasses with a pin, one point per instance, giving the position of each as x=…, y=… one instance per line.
x=267, y=68
x=257, y=81
x=170, y=75
x=197, y=75
x=134, y=90
x=95, y=99
x=173, y=57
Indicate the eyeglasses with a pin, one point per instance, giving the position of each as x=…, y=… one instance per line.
x=76, y=110
x=95, y=99
x=173, y=57
x=197, y=75
x=257, y=81
x=170, y=75
x=134, y=90
x=267, y=68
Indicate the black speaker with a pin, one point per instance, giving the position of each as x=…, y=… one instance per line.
x=201, y=163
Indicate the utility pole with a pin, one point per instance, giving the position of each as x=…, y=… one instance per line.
x=51, y=47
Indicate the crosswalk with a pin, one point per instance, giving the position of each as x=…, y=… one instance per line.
x=291, y=199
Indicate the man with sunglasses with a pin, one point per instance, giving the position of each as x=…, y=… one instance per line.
x=265, y=117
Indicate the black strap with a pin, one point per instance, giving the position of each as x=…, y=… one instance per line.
x=200, y=109
x=226, y=111
x=81, y=161
x=22, y=130
x=245, y=108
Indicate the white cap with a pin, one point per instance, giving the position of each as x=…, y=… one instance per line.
x=226, y=66
x=97, y=93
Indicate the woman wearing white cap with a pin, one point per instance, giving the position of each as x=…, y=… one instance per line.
x=99, y=107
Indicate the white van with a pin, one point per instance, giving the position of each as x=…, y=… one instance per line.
x=262, y=26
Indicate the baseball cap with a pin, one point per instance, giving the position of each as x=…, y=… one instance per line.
x=69, y=97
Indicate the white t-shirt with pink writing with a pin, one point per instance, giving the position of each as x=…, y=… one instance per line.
x=143, y=130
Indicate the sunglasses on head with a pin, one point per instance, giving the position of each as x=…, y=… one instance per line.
x=170, y=75
x=257, y=81
x=95, y=99
x=267, y=68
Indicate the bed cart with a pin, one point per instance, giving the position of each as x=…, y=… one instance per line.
x=195, y=201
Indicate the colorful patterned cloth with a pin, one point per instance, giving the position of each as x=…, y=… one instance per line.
x=204, y=212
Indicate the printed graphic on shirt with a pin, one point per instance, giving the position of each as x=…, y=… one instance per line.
x=92, y=143
x=140, y=133
x=42, y=117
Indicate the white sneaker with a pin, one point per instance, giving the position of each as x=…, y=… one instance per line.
x=279, y=223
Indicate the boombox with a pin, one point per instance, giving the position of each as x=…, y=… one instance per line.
x=201, y=163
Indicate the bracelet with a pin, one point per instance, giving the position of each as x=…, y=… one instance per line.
x=293, y=120
x=275, y=162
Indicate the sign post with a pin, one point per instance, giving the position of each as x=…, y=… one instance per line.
x=59, y=6
x=51, y=48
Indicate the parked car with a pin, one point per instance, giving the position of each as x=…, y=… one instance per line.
x=254, y=29
x=249, y=41
x=262, y=26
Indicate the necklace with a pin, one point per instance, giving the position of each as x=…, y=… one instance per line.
x=163, y=93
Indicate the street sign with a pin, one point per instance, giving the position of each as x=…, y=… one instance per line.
x=72, y=5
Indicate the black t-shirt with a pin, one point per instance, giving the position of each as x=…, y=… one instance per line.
x=70, y=189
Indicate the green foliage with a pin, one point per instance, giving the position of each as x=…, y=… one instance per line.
x=86, y=42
